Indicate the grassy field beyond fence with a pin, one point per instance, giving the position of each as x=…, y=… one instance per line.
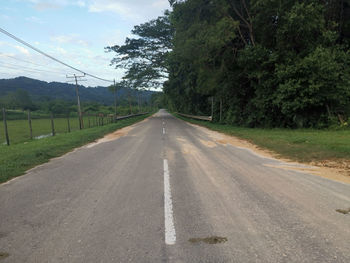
x=18, y=158
x=305, y=145
x=19, y=131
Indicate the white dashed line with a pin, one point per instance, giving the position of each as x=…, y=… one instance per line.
x=163, y=130
x=170, y=234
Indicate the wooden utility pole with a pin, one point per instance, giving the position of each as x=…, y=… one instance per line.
x=68, y=123
x=75, y=77
x=5, y=126
x=130, y=102
x=30, y=125
x=52, y=125
x=115, y=102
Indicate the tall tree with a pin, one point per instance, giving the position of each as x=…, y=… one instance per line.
x=144, y=56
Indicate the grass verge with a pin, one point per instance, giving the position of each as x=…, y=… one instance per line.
x=18, y=158
x=303, y=145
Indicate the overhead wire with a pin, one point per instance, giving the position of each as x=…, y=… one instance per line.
x=27, y=70
x=49, y=56
x=24, y=67
x=19, y=59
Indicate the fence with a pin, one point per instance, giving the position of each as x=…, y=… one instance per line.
x=203, y=118
x=17, y=131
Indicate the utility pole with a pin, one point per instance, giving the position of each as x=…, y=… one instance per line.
x=115, y=102
x=75, y=77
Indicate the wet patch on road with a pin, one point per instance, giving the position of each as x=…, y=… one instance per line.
x=343, y=211
x=208, y=240
x=4, y=255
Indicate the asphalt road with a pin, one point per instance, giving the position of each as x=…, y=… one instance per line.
x=166, y=191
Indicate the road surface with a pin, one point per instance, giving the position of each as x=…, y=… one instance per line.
x=166, y=191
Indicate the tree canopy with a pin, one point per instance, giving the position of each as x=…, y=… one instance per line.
x=268, y=63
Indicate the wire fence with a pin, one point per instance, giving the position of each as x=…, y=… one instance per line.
x=15, y=129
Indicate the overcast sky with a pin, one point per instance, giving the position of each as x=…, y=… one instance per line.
x=75, y=31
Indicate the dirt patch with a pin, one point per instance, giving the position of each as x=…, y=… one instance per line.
x=336, y=164
x=186, y=147
x=208, y=240
x=224, y=139
x=209, y=144
x=112, y=136
x=343, y=211
x=338, y=170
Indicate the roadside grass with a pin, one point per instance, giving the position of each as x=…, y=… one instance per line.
x=18, y=158
x=303, y=145
x=19, y=129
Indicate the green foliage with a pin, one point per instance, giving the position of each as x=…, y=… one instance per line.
x=271, y=63
x=305, y=145
x=144, y=57
x=18, y=99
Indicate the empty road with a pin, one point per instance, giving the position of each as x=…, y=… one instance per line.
x=166, y=191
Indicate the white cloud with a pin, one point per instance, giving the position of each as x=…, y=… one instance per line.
x=135, y=10
x=22, y=50
x=34, y=19
x=71, y=39
x=42, y=6
x=80, y=3
x=62, y=51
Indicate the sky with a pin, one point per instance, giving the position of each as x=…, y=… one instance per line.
x=74, y=31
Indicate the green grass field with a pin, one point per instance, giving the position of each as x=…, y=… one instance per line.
x=17, y=158
x=303, y=145
x=19, y=129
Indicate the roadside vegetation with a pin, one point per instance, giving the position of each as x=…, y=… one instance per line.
x=303, y=145
x=264, y=63
x=20, y=157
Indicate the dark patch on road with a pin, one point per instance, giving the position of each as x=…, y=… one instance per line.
x=4, y=255
x=209, y=240
x=343, y=211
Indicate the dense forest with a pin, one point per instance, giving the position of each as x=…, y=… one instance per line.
x=266, y=63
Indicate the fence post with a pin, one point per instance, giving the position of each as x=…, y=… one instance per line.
x=220, y=110
x=30, y=125
x=5, y=126
x=212, y=108
x=68, y=123
x=52, y=125
x=89, y=121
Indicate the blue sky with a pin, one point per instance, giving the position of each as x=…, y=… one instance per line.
x=75, y=31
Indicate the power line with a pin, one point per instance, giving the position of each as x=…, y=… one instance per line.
x=33, y=69
x=19, y=59
x=49, y=56
x=27, y=70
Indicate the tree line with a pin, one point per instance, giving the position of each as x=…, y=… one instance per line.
x=267, y=63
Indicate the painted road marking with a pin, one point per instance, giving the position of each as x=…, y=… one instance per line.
x=163, y=130
x=170, y=234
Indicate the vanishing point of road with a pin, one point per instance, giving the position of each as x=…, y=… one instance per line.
x=167, y=191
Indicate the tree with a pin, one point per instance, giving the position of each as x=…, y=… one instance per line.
x=19, y=99
x=267, y=62
x=145, y=57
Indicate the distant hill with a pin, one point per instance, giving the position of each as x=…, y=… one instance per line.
x=38, y=90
